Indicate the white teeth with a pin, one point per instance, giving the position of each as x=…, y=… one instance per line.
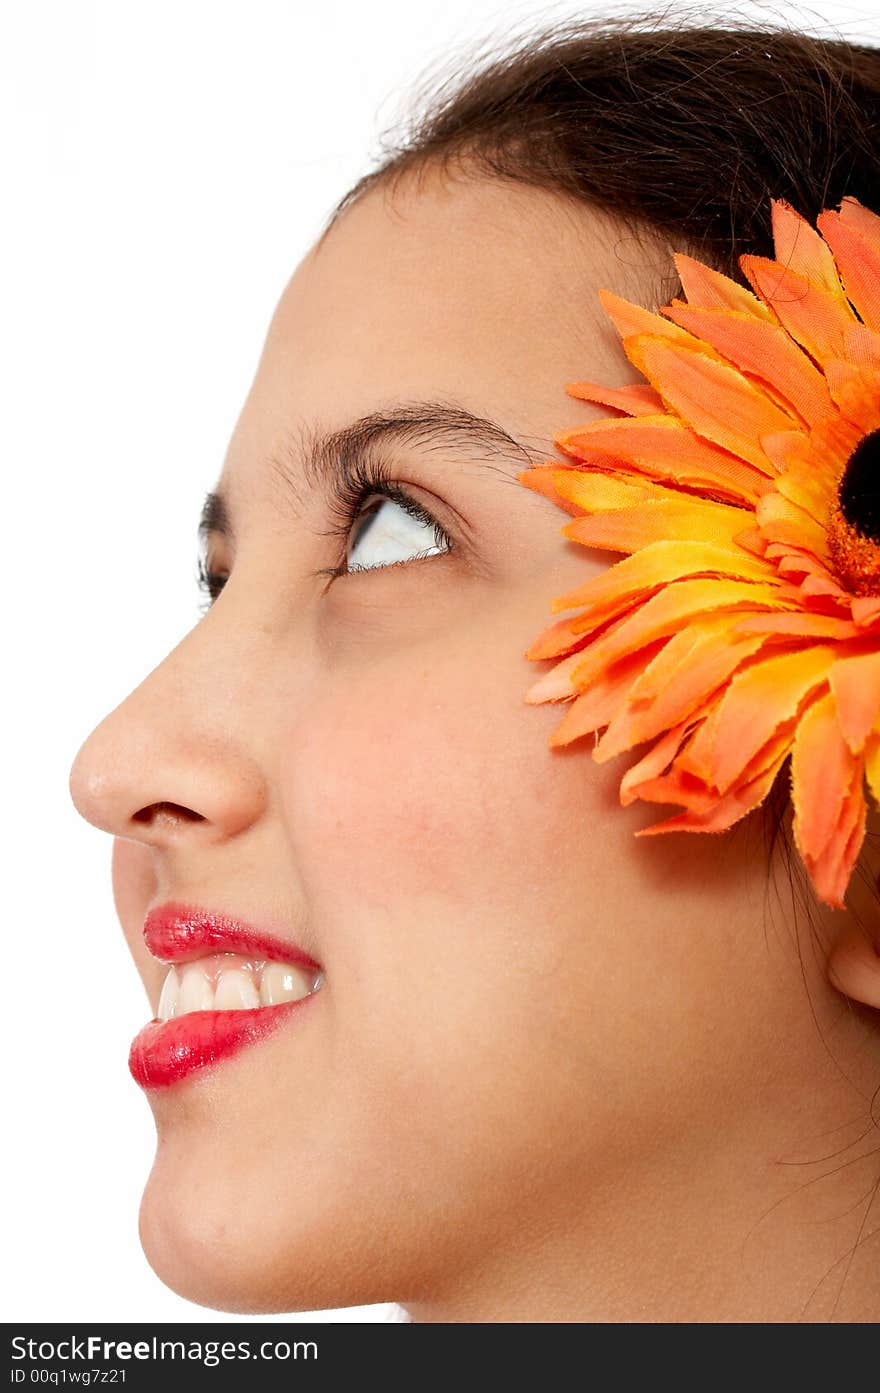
x=235, y=991
x=230, y=982
x=168, y=999
x=196, y=992
x=284, y=982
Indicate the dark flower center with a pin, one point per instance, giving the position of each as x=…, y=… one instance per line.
x=859, y=489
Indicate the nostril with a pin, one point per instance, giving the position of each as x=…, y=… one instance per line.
x=166, y=812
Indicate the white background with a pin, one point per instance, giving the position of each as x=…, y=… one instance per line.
x=165, y=166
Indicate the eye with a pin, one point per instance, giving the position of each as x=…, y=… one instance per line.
x=378, y=522
x=210, y=583
x=390, y=531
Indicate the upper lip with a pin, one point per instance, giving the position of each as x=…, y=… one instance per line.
x=178, y=932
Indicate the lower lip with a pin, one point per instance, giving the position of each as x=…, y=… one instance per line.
x=165, y=1052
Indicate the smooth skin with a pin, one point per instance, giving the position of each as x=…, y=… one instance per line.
x=556, y=1072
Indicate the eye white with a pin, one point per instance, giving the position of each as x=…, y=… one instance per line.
x=387, y=533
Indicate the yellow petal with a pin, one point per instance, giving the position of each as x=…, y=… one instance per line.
x=658, y=564
x=657, y=520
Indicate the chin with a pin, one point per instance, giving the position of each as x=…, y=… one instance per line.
x=231, y=1250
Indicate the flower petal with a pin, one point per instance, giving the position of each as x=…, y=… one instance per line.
x=764, y=351
x=661, y=447
x=657, y=520
x=710, y=289
x=858, y=259
x=814, y=317
x=658, y=564
x=595, y=707
x=715, y=399
x=829, y=805
x=638, y=399
x=758, y=700
x=855, y=683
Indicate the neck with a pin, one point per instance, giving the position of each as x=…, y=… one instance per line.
x=769, y=1223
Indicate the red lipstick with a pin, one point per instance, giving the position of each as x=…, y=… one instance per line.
x=164, y=1052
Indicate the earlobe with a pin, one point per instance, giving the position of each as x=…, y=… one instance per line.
x=853, y=965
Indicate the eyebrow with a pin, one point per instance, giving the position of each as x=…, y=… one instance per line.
x=315, y=457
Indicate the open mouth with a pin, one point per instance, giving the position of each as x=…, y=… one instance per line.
x=231, y=982
x=211, y=1006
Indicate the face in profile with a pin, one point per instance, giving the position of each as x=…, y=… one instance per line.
x=503, y=1011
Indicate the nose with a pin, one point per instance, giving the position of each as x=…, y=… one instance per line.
x=176, y=758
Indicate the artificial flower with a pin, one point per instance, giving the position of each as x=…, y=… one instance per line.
x=742, y=482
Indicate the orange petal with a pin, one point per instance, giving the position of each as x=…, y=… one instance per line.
x=629, y=319
x=801, y=624
x=828, y=800
x=783, y=521
x=831, y=872
x=715, y=399
x=541, y=479
x=688, y=669
x=866, y=610
x=710, y=289
x=872, y=764
x=855, y=683
x=707, y=812
x=822, y=767
x=659, y=563
x=660, y=755
x=757, y=702
x=662, y=447
x=666, y=612
x=858, y=260
x=665, y=519
x=863, y=346
x=764, y=351
x=799, y=247
x=814, y=317
x=857, y=393
x=638, y=399
x=595, y=707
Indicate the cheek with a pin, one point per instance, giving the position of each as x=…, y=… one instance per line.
x=419, y=782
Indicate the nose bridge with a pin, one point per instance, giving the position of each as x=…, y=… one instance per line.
x=192, y=739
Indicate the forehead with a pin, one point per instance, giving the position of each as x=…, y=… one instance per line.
x=476, y=291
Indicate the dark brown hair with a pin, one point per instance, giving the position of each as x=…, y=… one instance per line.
x=687, y=130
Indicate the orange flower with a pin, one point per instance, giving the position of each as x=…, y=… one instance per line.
x=743, y=484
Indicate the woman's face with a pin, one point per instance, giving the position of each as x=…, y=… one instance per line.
x=521, y=1000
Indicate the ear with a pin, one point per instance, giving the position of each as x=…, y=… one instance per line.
x=853, y=965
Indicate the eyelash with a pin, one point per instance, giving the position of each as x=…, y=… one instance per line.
x=350, y=489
